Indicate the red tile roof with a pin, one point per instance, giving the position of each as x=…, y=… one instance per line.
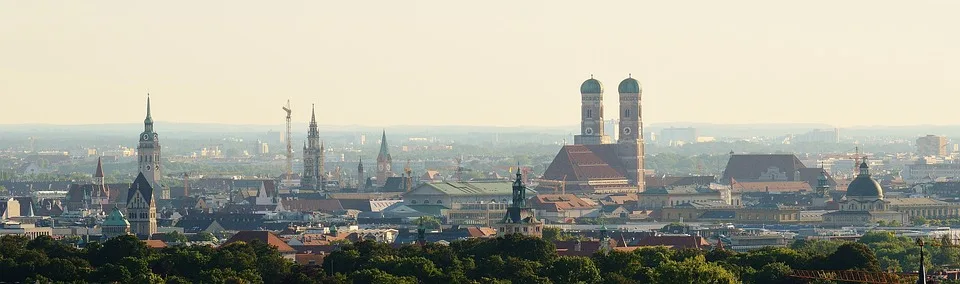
x=157, y=244
x=586, y=162
x=559, y=202
x=750, y=166
x=263, y=236
x=481, y=232
x=309, y=259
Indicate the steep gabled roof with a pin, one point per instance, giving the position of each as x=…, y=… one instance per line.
x=143, y=186
x=586, y=162
x=749, y=166
x=99, y=172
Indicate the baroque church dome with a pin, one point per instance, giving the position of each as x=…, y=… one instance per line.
x=863, y=185
x=591, y=86
x=629, y=85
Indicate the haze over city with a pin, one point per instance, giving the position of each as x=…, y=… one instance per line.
x=452, y=63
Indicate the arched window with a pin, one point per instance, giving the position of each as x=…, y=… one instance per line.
x=413, y=202
x=589, y=113
x=439, y=201
x=626, y=113
x=426, y=201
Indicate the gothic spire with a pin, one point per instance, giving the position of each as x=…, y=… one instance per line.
x=99, y=172
x=384, y=152
x=313, y=114
x=148, y=122
x=148, y=107
x=360, y=165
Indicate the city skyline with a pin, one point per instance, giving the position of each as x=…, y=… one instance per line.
x=437, y=63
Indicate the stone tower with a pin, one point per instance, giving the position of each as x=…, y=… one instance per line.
x=630, y=142
x=591, y=114
x=311, y=157
x=142, y=208
x=360, y=181
x=149, y=156
x=384, y=161
x=100, y=195
x=520, y=219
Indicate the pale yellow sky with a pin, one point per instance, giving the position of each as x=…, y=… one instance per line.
x=382, y=63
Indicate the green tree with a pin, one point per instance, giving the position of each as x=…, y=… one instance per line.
x=623, y=263
x=371, y=276
x=693, y=270
x=117, y=248
x=853, y=256
x=551, y=234
x=776, y=272
x=573, y=269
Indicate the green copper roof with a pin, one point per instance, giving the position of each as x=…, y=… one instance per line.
x=591, y=86
x=629, y=85
x=384, y=151
x=149, y=119
x=116, y=219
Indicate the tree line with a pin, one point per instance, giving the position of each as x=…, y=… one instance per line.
x=509, y=259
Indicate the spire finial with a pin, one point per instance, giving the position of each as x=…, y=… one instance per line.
x=629, y=75
x=148, y=105
x=591, y=76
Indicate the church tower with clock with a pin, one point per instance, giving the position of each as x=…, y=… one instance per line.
x=384, y=161
x=148, y=152
x=630, y=142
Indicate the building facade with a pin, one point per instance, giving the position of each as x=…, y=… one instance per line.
x=520, y=219
x=932, y=145
x=312, y=157
x=148, y=152
x=141, y=208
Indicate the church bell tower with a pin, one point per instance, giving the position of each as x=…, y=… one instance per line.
x=591, y=114
x=630, y=142
x=148, y=152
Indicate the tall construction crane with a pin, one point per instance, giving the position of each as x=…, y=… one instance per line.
x=289, y=165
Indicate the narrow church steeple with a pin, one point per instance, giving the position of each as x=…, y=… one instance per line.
x=98, y=173
x=148, y=122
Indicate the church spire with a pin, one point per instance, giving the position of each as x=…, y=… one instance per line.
x=313, y=114
x=99, y=172
x=148, y=122
x=383, y=145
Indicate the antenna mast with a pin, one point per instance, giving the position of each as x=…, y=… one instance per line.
x=289, y=165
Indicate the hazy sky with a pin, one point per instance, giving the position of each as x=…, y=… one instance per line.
x=382, y=63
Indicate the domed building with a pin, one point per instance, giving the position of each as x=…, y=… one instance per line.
x=865, y=204
x=115, y=224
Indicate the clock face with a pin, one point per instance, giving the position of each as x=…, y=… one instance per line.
x=145, y=137
x=588, y=131
x=148, y=167
x=626, y=130
x=155, y=136
x=380, y=167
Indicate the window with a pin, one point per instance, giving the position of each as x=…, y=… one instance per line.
x=439, y=201
x=413, y=202
x=626, y=113
x=589, y=113
x=426, y=201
